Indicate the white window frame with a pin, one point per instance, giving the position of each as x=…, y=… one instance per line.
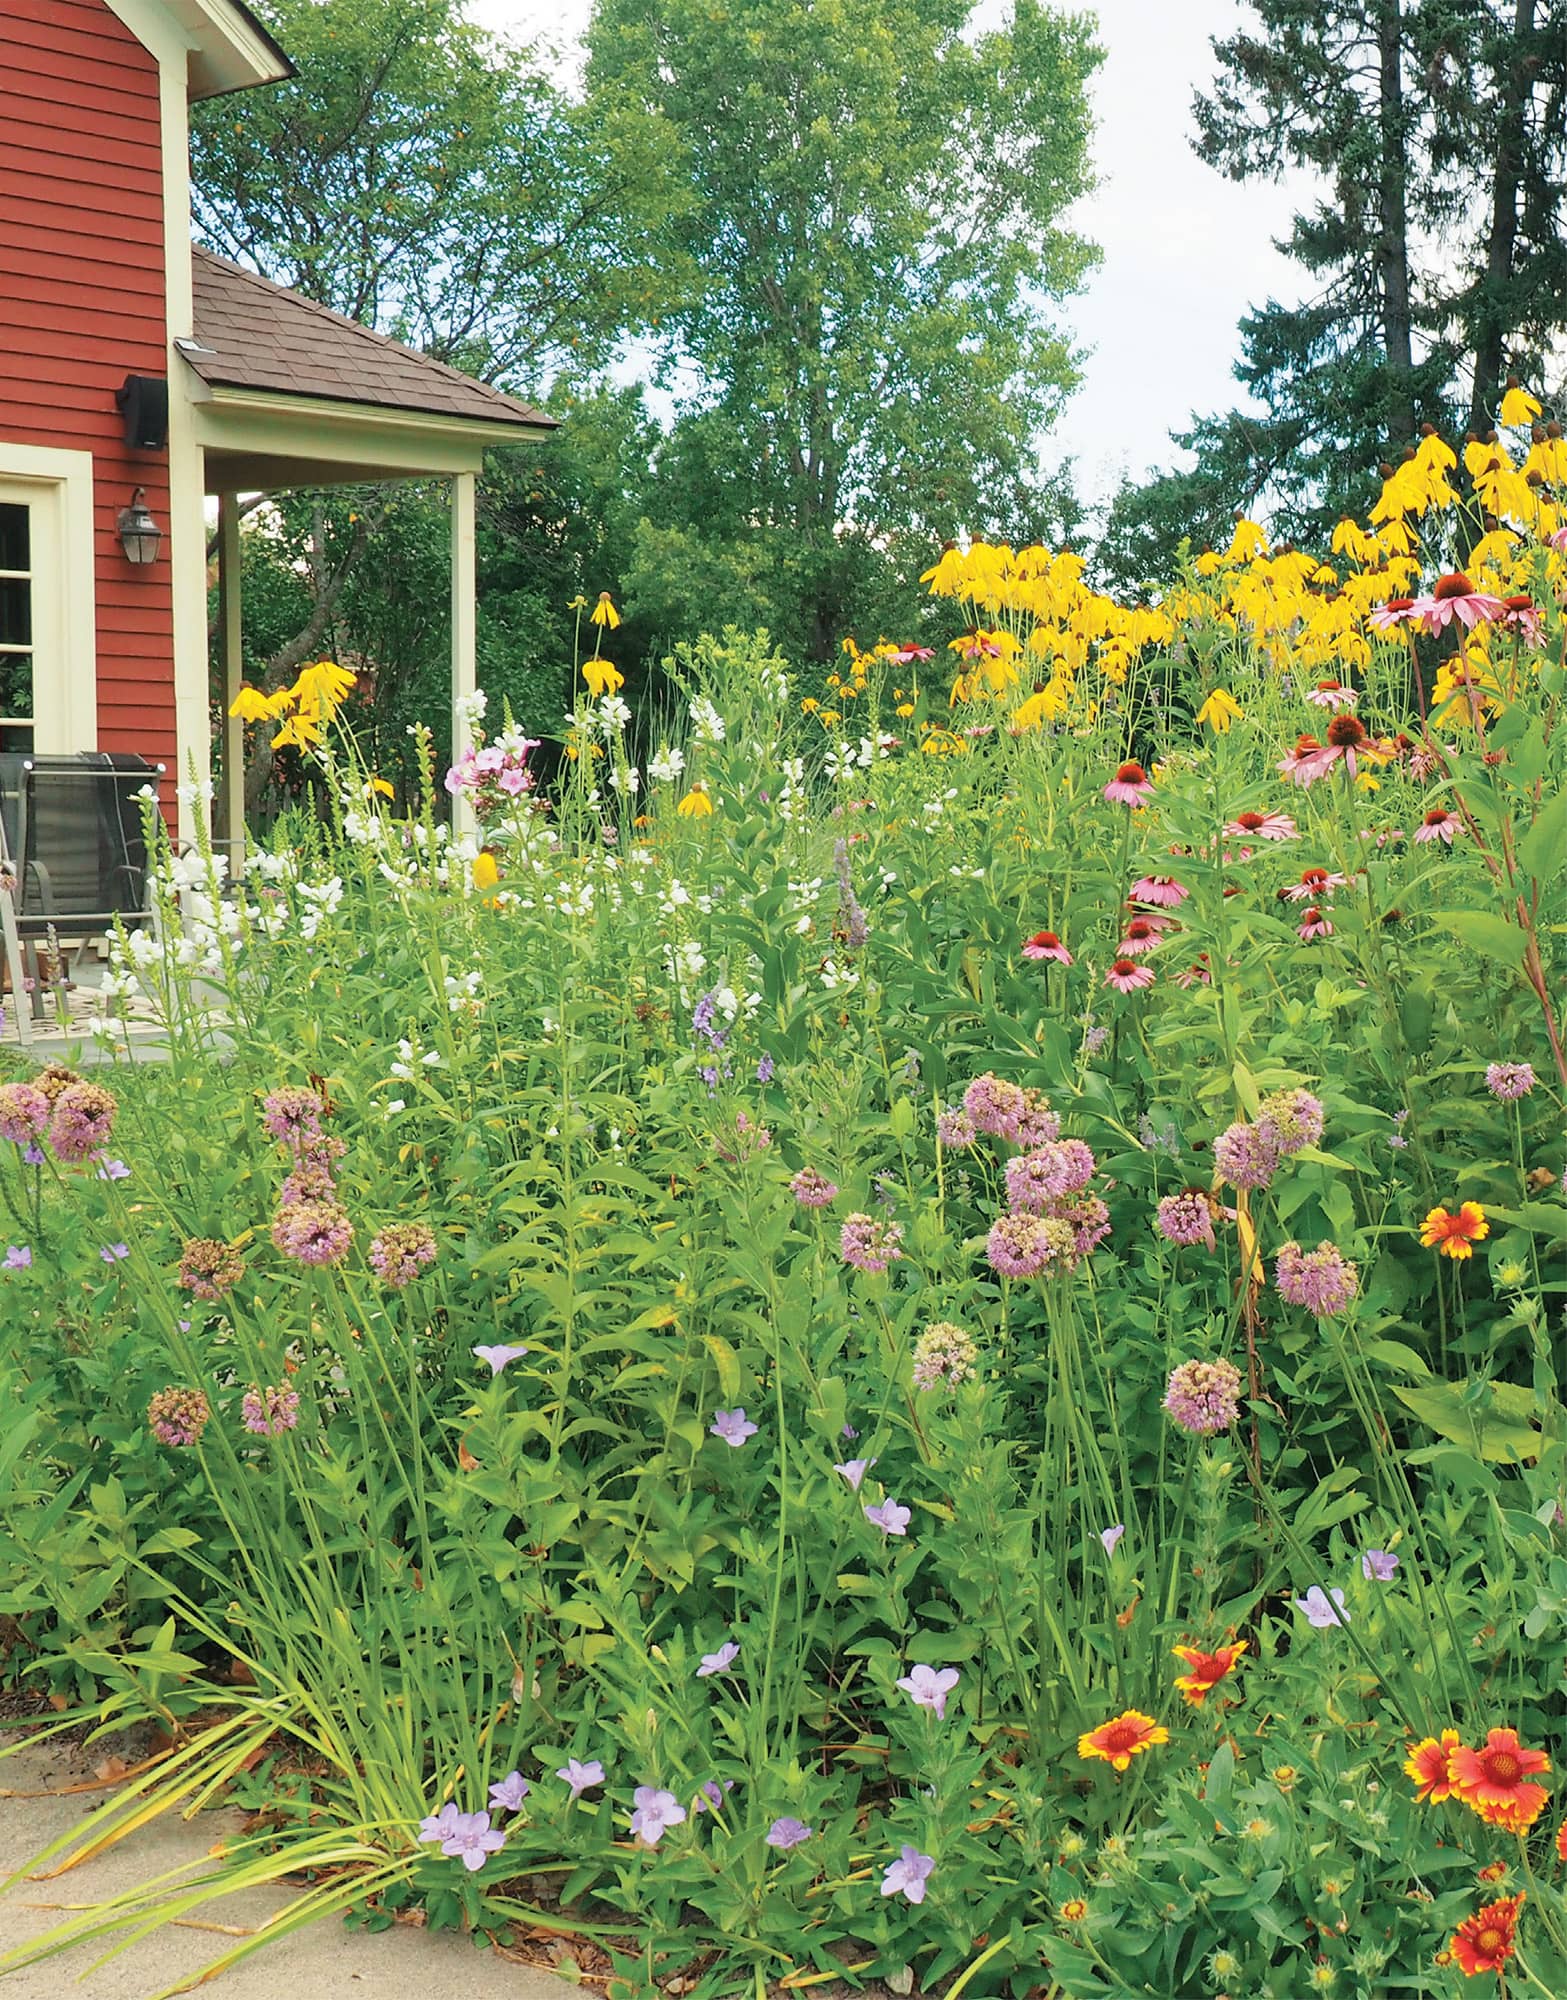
x=57, y=486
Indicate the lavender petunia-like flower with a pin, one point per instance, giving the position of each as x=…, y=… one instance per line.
x=928, y=1687
x=113, y=1170
x=1110, y=1536
x=1378, y=1566
x=581, y=1777
x=733, y=1426
x=656, y=1812
x=472, y=1840
x=1319, y=1611
x=437, y=1825
x=508, y=1793
x=788, y=1832
x=854, y=1470
x=710, y=1796
x=889, y=1517
x=18, y=1257
x=908, y=1875
x=498, y=1356
x=114, y=1253
x=719, y=1662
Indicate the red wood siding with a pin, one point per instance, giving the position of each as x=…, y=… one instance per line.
x=82, y=307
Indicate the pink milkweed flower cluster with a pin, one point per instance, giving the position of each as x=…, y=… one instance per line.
x=177, y=1417
x=494, y=777
x=208, y=1268
x=24, y=1113
x=1204, y=1397
x=1321, y=1280
x=269, y=1412
x=1247, y=1156
x=813, y=1190
x=311, y=1224
x=400, y=1252
x=1004, y=1110
x=81, y=1121
x=944, y=1356
x=1186, y=1219
x=291, y=1114
x=313, y=1232
x=1509, y=1081
x=870, y=1242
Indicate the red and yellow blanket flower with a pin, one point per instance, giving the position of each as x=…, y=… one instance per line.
x=1427, y=1765
x=1495, y=1780
x=1456, y=1234
x=1122, y=1738
x=1205, y=1670
x=1485, y=1941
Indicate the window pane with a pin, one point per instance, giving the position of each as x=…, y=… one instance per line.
x=16, y=736
x=14, y=538
x=16, y=611
x=16, y=684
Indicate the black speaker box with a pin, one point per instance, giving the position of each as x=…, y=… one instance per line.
x=144, y=403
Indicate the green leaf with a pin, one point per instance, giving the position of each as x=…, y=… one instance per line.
x=1493, y=937
x=1543, y=849
x=1496, y=1427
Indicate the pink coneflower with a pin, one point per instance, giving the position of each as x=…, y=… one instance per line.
x=1439, y=824
x=1261, y=826
x=1313, y=885
x=1332, y=694
x=1523, y=616
x=1126, y=975
x=1142, y=936
x=1308, y=761
x=1195, y=975
x=1454, y=596
x=1130, y=786
x=1045, y=944
x=1388, y=617
x=1559, y=539
x=1314, y=924
x=1162, y=890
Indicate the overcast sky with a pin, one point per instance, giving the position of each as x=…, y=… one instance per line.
x=1185, y=251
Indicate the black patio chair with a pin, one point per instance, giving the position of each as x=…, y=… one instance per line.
x=73, y=849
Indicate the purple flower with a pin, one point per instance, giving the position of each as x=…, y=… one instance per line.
x=813, y=1190
x=908, y=1874
x=291, y=1114
x=787, y=1832
x=113, y=1170
x=498, y=1356
x=1247, y=1156
x=955, y=1130
x=1204, y=1396
x=889, y=1517
x=1110, y=1536
x=764, y=1069
x=18, y=1258
x=656, y=1812
x=710, y=1797
x=1021, y=1246
x=733, y=1426
x=82, y=1119
x=1378, y=1566
x=24, y=1114
x=33, y=1156
x=313, y=1232
x=471, y=1839
x=1185, y=1219
x=719, y=1662
x=1319, y=1611
x=1509, y=1081
x=870, y=1242
x=508, y=1794
x=399, y=1252
x=114, y=1253
x=854, y=1470
x=177, y=1417
x=581, y=1777
x=1321, y=1280
x=928, y=1687
x=269, y=1412
x=437, y=1826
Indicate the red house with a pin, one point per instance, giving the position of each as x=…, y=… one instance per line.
x=140, y=378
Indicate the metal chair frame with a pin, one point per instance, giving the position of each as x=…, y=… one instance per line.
x=31, y=908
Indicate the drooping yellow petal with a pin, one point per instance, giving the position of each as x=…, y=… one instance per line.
x=696, y=804
x=1518, y=407
x=604, y=612
x=602, y=676
x=1219, y=711
x=251, y=705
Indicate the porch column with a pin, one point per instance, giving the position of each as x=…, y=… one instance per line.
x=231, y=805
x=465, y=644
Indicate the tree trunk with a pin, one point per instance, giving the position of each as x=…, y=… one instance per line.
x=1491, y=323
x=1393, y=229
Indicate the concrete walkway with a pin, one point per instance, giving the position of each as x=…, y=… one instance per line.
x=325, y=1962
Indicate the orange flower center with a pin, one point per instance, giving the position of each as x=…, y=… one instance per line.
x=1438, y=816
x=1131, y=774
x=1344, y=732
x=1123, y=966
x=1502, y=1767
x=1122, y=1735
x=1454, y=584
x=1251, y=821
x=1491, y=1940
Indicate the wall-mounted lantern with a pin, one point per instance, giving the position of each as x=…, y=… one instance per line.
x=139, y=533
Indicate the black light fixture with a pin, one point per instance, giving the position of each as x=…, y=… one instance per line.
x=139, y=533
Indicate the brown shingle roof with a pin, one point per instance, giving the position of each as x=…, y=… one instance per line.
x=264, y=337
